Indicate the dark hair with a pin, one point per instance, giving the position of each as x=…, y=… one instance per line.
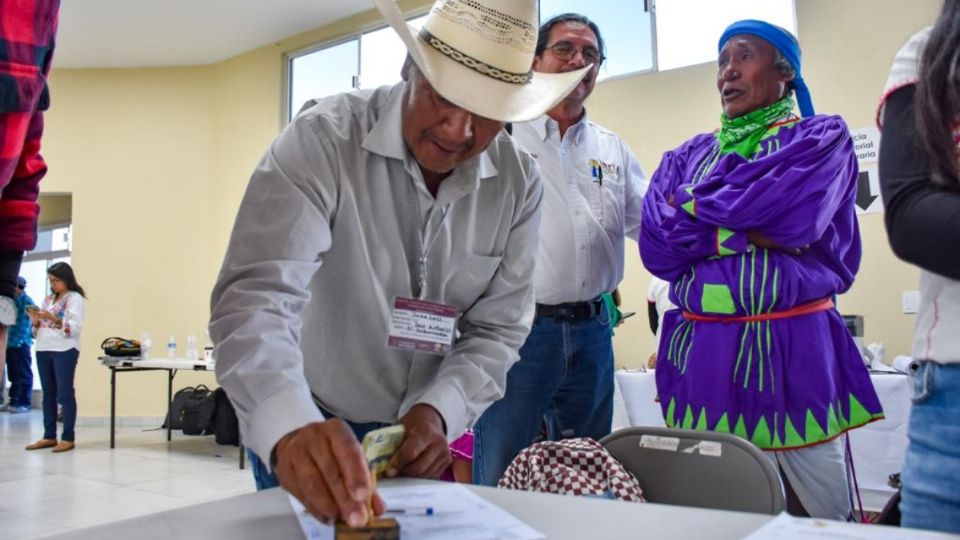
x=64, y=273
x=938, y=95
x=544, y=37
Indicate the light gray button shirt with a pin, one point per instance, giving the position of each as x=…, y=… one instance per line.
x=327, y=237
x=592, y=199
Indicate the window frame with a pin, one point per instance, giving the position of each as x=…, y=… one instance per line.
x=286, y=115
x=289, y=56
x=650, y=7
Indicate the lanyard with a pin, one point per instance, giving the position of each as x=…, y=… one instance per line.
x=424, y=251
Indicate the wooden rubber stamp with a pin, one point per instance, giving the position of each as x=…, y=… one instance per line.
x=375, y=529
x=378, y=447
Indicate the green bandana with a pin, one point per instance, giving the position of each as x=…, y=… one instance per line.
x=744, y=133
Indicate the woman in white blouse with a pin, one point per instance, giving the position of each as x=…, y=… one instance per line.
x=57, y=326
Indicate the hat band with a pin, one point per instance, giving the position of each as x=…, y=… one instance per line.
x=472, y=63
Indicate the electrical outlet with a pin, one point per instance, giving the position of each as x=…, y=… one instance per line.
x=911, y=301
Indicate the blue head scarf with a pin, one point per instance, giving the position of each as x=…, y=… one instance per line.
x=783, y=42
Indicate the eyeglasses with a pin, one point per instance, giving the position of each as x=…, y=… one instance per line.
x=565, y=50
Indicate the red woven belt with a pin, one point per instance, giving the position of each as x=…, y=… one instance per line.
x=803, y=309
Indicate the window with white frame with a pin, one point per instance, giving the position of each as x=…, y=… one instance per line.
x=640, y=35
x=657, y=35
x=684, y=40
x=368, y=60
x=625, y=25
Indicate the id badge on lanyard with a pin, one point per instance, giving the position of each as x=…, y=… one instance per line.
x=417, y=324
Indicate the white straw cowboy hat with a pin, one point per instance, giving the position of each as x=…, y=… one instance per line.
x=477, y=54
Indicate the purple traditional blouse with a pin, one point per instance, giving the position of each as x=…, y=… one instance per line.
x=778, y=382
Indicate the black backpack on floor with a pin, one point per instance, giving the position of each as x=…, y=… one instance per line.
x=192, y=410
x=226, y=429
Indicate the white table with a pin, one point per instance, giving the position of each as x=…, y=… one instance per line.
x=878, y=448
x=122, y=364
x=267, y=514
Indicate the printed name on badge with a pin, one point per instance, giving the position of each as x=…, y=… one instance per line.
x=422, y=326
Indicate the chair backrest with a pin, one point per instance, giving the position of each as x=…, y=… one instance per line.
x=698, y=468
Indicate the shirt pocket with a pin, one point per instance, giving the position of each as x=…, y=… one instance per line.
x=469, y=280
x=612, y=193
x=23, y=89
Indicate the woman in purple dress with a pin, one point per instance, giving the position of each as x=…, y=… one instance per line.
x=754, y=226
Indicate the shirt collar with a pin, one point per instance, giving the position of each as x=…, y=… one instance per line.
x=385, y=139
x=546, y=127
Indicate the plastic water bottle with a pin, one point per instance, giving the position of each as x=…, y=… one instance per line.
x=145, y=345
x=172, y=347
x=208, y=349
x=192, y=352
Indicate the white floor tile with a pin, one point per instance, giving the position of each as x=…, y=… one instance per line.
x=44, y=493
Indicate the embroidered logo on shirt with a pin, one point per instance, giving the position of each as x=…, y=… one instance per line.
x=601, y=170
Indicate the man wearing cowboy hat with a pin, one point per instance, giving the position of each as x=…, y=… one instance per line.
x=380, y=267
x=592, y=197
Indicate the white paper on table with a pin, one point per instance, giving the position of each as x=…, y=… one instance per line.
x=787, y=527
x=457, y=512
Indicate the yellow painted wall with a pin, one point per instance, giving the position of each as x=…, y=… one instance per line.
x=134, y=148
x=157, y=161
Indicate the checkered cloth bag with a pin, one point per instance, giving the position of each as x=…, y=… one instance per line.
x=571, y=467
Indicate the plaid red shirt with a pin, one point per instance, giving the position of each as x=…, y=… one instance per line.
x=27, y=30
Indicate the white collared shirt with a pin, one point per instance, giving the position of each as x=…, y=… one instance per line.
x=326, y=239
x=592, y=199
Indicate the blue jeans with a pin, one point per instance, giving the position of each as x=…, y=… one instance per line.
x=57, y=369
x=265, y=479
x=20, y=374
x=930, y=498
x=564, y=378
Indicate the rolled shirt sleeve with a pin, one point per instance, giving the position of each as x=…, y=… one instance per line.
x=281, y=230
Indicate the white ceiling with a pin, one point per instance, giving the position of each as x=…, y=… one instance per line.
x=149, y=33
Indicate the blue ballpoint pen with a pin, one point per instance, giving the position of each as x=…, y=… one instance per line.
x=411, y=511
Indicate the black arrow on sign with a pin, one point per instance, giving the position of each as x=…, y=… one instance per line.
x=864, y=197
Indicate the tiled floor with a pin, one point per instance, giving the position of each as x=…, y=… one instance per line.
x=43, y=493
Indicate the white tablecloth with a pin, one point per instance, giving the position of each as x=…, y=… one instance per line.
x=878, y=448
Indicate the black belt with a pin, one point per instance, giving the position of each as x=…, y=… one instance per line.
x=572, y=311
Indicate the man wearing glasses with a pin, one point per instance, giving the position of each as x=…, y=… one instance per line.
x=593, y=193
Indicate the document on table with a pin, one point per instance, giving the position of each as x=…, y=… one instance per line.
x=787, y=527
x=457, y=512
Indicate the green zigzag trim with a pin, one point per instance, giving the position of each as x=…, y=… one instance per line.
x=671, y=409
x=740, y=430
x=858, y=414
x=687, y=419
x=791, y=437
x=833, y=426
x=768, y=436
x=723, y=425
x=702, y=420
x=724, y=234
x=814, y=431
x=761, y=435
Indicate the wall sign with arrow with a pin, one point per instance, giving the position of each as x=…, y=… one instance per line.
x=866, y=142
